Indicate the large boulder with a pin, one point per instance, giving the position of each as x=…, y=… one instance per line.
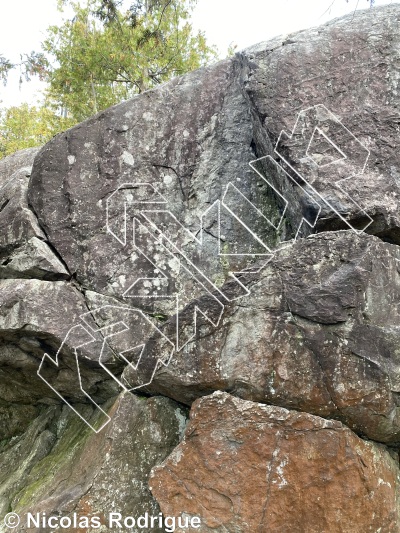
x=244, y=466
x=191, y=240
x=318, y=332
x=89, y=182
x=185, y=142
x=194, y=136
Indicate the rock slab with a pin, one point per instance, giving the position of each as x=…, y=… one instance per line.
x=60, y=467
x=244, y=466
x=318, y=332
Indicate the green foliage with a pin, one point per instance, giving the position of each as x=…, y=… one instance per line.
x=5, y=67
x=25, y=127
x=33, y=64
x=104, y=55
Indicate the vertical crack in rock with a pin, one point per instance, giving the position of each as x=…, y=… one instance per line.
x=316, y=338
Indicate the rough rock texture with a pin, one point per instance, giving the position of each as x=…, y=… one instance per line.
x=244, y=466
x=351, y=66
x=24, y=252
x=32, y=323
x=118, y=241
x=315, y=334
x=189, y=138
x=12, y=163
x=60, y=466
x=194, y=135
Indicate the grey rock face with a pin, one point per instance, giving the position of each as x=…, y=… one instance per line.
x=24, y=252
x=351, y=66
x=12, y=163
x=32, y=324
x=133, y=222
x=189, y=139
x=209, y=125
x=319, y=332
x=59, y=466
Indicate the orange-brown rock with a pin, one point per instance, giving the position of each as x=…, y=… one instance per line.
x=246, y=467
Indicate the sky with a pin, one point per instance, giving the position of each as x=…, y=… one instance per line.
x=23, y=26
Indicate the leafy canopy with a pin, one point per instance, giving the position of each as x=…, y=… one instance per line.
x=106, y=54
x=25, y=126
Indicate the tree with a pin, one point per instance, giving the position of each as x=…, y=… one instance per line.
x=25, y=126
x=5, y=67
x=104, y=55
x=30, y=65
